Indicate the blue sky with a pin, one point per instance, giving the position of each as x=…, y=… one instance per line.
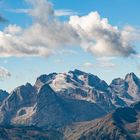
x=28, y=68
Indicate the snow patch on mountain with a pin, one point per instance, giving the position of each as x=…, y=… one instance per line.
x=60, y=82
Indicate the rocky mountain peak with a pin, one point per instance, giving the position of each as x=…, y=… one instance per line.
x=117, y=81
x=133, y=85
x=77, y=72
x=28, y=85
x=43, y=79
x=46, y=90
x=89, y=79
x=131, y=77
x=127, y=88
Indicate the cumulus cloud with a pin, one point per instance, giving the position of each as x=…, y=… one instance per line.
x=101, y=38
x=42, y=38
x=47, y=34
x=4, y=74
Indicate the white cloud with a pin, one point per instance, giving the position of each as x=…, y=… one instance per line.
x=42, y=38
x=4, y=73
x=58, y=13
x=88, y=65
x=64, y=12
x=101, y=38
x=47, y=34
x=66, y=52
x=106, y=64
x=12, y=29
x=102, y=62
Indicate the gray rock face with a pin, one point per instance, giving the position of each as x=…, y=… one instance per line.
x=90, y=80
x=103, y=99
x=23, y=96
x=128, y=88
x=44, y=79
x=25, y=106
x=3, y=96
x=133, y=85
x=119, y=86
x=49, y=110
x=53, y=110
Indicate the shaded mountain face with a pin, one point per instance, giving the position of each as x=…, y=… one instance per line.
x=25, y=106
x=122, y=124
x=18, y=103
x=3, y=96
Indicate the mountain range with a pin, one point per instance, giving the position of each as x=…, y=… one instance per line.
x=73, y=105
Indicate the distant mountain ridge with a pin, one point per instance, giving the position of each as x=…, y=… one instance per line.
x=57, y=100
